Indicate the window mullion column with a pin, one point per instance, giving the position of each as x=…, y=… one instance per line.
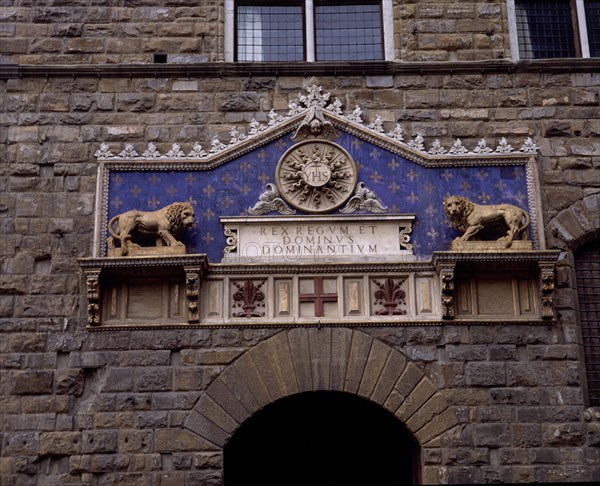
x=229, y=33
x=583, y=33
x=309, y=12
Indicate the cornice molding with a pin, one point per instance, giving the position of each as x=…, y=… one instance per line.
x=306, y=69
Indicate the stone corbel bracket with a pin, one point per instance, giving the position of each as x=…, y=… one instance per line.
x=543, y=262
x=98, y=270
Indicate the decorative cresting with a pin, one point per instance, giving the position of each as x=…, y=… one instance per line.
x=316, y=176
x=313, y=107
x=336, y=359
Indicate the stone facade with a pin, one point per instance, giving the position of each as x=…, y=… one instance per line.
x=503, y=403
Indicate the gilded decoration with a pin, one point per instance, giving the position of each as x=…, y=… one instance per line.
x=316, y=176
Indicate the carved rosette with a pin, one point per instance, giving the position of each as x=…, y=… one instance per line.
x=389, y=296
x=547, y=290
x=316, y=176
x=248, y=299
x=93, y=295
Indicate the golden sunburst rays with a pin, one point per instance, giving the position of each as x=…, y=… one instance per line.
x=316, y=176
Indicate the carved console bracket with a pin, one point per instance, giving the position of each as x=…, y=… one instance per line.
x=446, y=271
x=547, y=288
x=143, y=291
x=496, y=284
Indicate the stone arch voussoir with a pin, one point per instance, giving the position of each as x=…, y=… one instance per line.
x=331, y=359
x=575, y=225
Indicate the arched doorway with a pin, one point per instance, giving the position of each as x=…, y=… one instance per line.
x=321, y=438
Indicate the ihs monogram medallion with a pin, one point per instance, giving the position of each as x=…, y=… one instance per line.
x=316, y=176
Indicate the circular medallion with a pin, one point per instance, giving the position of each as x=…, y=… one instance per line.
x=316, y=176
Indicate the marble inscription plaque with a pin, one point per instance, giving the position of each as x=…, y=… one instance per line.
x=318, y=239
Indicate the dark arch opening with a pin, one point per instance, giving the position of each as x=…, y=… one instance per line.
x=587, y=271
x=322, y=438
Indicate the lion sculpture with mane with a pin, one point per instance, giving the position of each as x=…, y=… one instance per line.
x=471, y=218
x=165, y=225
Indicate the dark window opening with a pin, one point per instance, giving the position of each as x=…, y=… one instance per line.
x=545, y=29
x=270, y=33
x=587, y=268
x=322, y=439
x=348, y=32
x=344, y=30
x=160, y=58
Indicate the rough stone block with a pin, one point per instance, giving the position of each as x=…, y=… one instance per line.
x=485, y=374
x=136, y=441
x=31, y=382
x=491, y=435
x=103, y=463
x=70, y=382
x=21, y=444
x=99, y=441
x=153, y=379
x=45, y=404
x=204, y=437
x=60, y=443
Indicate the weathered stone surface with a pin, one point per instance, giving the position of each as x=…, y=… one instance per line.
x=70, y=382
x=299, y=348
x=31, y=382
x=357, y=359
x=60, y=443
x=99, y=441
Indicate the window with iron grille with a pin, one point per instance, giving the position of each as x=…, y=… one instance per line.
x=544, y=29
x=310, y=30
x=587, y=268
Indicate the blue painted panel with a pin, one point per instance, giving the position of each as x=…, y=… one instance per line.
x=402, y=185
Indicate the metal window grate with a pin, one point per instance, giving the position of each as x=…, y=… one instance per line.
x=270, y=33
x=348, y=32
x=545, y=29
x=592, y=20
x=587, y=268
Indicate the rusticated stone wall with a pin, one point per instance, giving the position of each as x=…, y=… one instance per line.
x=108, y=32
x=112, y=407
x=127, y=407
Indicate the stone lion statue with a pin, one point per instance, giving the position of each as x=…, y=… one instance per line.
x=471, y=218
x=165, y=225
